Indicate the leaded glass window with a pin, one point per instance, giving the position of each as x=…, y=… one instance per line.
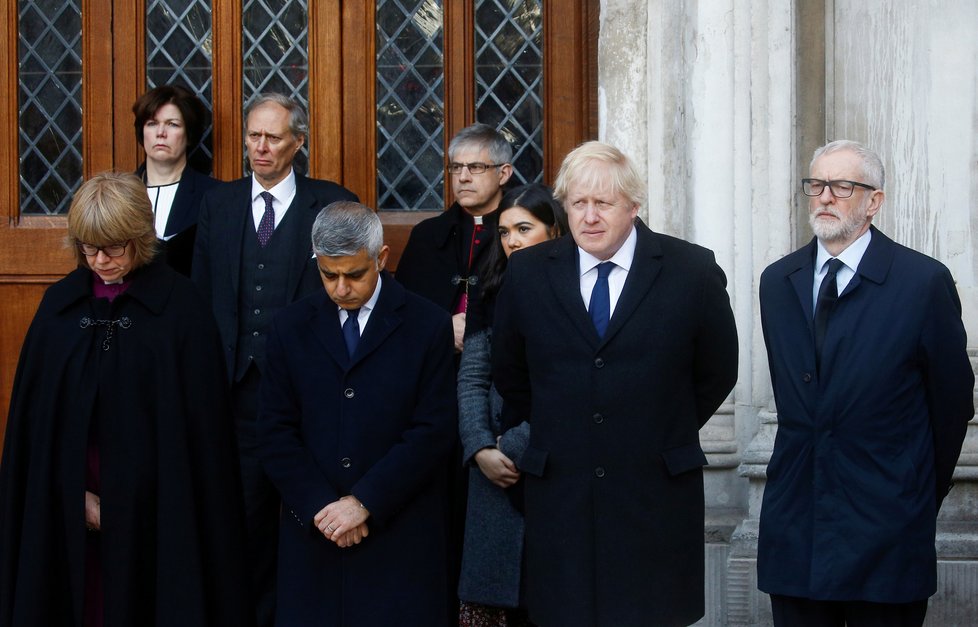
x=178, y=50
x=49, y=104
x=410, y=105
x=275, y=45
x=509, y=73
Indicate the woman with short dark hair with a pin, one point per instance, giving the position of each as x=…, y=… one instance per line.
x=169, y=123
x=120, y=500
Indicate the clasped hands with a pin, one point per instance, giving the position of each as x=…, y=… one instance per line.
x=344, y=521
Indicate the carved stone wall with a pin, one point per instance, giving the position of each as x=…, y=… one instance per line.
x=721, y=103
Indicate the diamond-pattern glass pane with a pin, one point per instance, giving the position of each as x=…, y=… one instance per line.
x=49, y=103
x=275, y=43
x=178, y=52
x=410, y=105
x=509, y=78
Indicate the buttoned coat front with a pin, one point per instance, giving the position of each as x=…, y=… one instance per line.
x=865, y=452
x=614, y=482
x=380, y=426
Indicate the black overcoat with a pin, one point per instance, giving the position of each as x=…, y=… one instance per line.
x=614, y=482
x=865, y=451
x=172, y=518
x=435, y=264
x=379, y=426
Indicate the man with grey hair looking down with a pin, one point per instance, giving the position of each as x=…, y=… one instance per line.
x=358, y=417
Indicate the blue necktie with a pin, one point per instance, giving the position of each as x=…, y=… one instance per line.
x=351, y=330
x=267, y=225
x=600, y=305
x=828, y=292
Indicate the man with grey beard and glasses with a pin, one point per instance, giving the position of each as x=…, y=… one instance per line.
x=874, y=391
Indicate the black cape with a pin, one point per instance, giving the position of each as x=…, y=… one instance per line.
x=171, y=512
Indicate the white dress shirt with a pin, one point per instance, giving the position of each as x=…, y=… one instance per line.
x=850, y=258
x=616, y=280
x=283, y=194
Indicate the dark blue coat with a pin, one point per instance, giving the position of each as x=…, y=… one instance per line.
x=379, y=426
x=863, y=456
x=614, y=469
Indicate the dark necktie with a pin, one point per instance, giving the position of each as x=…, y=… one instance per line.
x=828, y=292
x=600, y=305
x=267, y=224
x=351, y=330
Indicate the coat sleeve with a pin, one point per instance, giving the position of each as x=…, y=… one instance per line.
x=422, y=454
x=715, y=362
x=473, y=396
x=287, y=460
x=949, y=378
x=510, y=373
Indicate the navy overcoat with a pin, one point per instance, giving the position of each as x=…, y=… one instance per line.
x=379, y=426
x=864, y=454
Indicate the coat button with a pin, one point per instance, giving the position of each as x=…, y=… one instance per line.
x=258, y=288
x=807, y=377
x=346, y=462
x=599, y=363
x=599, y=472
x=348, y=392
x=598, y=419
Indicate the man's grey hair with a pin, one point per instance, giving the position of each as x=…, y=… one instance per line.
x=482, y=136
x=298, y=120
x=344, y=228
x=872, y=164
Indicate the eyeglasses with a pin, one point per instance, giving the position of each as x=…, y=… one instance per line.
x=473, y=168
x=840, y=189
x=111, y=250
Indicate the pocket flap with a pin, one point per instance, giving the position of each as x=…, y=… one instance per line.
x=533, y=461
x=684, y=458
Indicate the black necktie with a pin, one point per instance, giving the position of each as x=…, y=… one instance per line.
x=600, y=305
x=267, y=224
x=351, y=330
x=828, y=292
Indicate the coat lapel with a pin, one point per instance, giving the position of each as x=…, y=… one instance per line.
x=239, y=214
x=182, y=213
x=304, y=209
x=875, y=264
x=325, y=323
x=802, y=278
x=384, y=319
x=646, y=265
x=564, y=275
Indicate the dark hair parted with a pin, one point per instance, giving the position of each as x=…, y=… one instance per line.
x=537, y=199
x=195, y=114
x=112, y=208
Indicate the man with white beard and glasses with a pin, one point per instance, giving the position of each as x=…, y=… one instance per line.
x=874, y=391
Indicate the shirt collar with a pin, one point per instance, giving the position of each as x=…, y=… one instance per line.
x=282, y=190
x=622, y=258
x=851, y=256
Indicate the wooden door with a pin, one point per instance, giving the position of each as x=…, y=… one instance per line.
x=71, y=78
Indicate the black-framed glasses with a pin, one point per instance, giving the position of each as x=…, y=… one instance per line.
x=476, y=167
x=840, y=189
x=110, y=250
